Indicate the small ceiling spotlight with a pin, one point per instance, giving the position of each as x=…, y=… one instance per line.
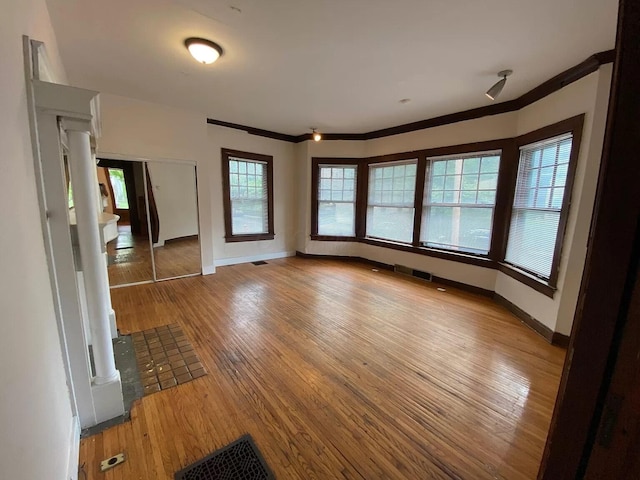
x=315, y=134
x=494, y=91
x=203, y=50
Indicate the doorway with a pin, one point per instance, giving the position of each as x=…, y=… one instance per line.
x=158, y=236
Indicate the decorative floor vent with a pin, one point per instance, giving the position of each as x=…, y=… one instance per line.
x=240, y=460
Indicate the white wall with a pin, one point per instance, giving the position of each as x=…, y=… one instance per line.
x=132, y=129
x=588, y=95
x=174, y=192
x=141, y=130
x=284, y=194
x=35, y=408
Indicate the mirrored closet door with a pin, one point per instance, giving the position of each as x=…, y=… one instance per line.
x=173, y=198
x=158, y=236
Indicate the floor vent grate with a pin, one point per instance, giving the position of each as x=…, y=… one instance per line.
x=260, y=262
x=414, y=273
x=240, y=460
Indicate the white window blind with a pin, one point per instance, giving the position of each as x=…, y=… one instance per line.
x=458, y=202
x=249, y=196
x=337, y=200
x=540, y=191
x=390, y=205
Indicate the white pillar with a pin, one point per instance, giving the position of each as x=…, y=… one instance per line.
x=96, y=286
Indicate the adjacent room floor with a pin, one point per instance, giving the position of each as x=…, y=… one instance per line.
x=338, y=371
x=130, y=258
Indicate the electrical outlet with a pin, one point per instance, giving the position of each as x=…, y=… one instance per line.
x=111, y=462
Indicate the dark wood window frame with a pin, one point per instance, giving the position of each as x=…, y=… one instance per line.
x=226, y=154
x=487, y=261
x=507, y=177
x=315, y=203
x=571, y=126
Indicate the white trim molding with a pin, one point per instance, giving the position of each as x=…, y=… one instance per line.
x=74, y=450
x=209, y=270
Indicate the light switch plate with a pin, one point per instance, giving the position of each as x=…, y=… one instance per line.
x=111, y=462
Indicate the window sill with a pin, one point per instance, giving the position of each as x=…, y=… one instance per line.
x=249, y=238
x=333, y=238
x=529, y=280
x=404, y=247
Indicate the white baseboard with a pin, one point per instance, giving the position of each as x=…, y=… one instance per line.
x=74, y=450
x=208, y=270
x=254, y=258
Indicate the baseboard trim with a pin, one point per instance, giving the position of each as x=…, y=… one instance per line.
x=463, y=286
x=560, y=340
x=346, y=258
x=209, y=270
x=74, y=450
x=223, y=262
x=549, y=335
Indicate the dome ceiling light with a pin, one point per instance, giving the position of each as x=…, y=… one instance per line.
x=203, y=50
x=315, y=134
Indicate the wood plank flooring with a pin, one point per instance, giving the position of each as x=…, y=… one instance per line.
x=131, y=257
x=337, y=372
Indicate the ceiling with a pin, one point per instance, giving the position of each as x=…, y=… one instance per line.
x=339, y=65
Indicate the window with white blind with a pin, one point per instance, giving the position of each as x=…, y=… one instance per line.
x=459, y=201
x=390, y=204
x=538, y=203
x=337, y=200
x=248, y=201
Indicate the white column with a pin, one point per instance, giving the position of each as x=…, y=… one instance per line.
x=96, y=286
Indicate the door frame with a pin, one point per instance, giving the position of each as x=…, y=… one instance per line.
x=610, y=270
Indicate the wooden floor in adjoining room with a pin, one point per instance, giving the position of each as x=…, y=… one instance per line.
x=338, y=371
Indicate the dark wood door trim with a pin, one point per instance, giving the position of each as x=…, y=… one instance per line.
x=613, y=249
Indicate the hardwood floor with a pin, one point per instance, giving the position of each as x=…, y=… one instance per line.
x=130, y=258
x=338, y=371
x=178, y=257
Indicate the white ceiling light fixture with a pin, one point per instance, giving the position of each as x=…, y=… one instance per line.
x=316, y=135
x=494, y=91
x=203, y=50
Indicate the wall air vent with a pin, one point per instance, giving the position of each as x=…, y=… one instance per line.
x=414, y=273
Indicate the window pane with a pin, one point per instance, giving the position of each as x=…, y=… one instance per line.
x=437, y=183
x=248, y=216
x=336, y=196
x=116, y=176
x=390, y=223
x=470, y=190
x=458, y=228
x=249, y=197
x=490, y=164
x=336, y=219
x=469, y=182
x=438, y=167
x=542, y=175
x=471, y=165
x=390, y=215
x=532, y=240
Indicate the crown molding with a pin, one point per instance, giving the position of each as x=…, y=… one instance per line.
x=552, y=85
